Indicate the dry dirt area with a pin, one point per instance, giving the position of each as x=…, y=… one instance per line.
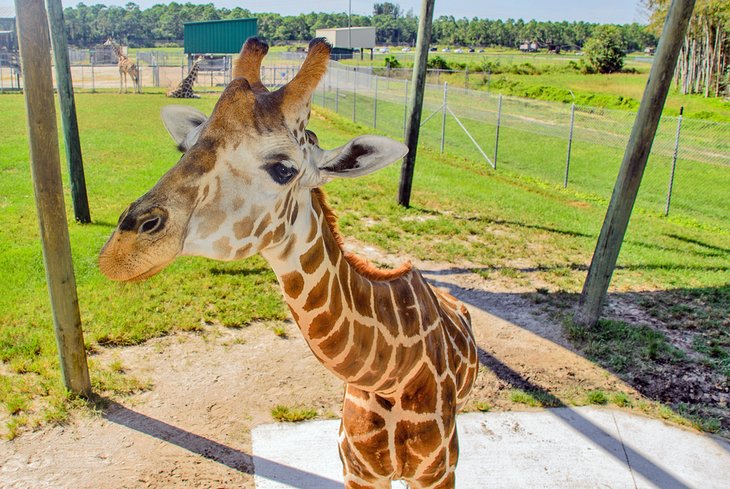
x=192, y=428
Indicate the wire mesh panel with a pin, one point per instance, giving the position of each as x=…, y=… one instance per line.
x=534, y=140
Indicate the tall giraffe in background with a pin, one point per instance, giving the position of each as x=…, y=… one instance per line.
x=126, y=67
x=185, y=88
x=248, y=183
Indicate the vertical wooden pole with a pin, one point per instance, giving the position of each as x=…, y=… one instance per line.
x=45, y=168
x=415, y=103
x=633, y=165
x=68, y=112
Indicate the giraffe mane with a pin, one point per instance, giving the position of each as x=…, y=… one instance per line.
x=361, y=265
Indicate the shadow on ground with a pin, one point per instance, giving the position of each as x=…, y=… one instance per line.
x=671, y=346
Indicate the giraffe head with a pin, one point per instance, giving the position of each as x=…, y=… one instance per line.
x=232, y=192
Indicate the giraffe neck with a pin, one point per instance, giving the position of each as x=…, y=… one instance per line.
x=364, y=325
x=193, y=73
x=118, y=52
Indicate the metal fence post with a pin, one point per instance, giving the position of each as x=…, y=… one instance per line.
x=466, y=78
x=375, y=105
x=2, y=87
x=405, y=110
x=443, y=117
x=496, y=138
x=93, y=80
x=570, y=145
x=674, y=161
x=324, y=94
x=337, y=92
x=354, y=97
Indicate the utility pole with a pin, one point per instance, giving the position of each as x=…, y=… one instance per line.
x=633, y=165
x=68, y=112
x=349, y=25
x=45, y=165
x=415, y=103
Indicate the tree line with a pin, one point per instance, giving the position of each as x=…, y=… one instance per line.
x=704, y=61
x=159, y=24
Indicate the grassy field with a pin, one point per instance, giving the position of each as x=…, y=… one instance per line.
x=504, y=225
x=699, y=191
x=553, y=77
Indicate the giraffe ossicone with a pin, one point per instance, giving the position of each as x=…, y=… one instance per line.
x=248, y=182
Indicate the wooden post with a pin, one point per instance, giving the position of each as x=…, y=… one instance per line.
x=632, y=167
x=68, y=112
x=35, y=55
x=415, y=102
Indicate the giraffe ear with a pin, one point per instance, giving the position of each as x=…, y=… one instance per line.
x=184, y=124
x=361, y=156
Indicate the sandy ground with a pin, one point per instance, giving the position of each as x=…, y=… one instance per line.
x=192, y=428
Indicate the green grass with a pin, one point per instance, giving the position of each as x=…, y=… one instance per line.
x=280, y=331
x=597, y=397
x=534, y=398
x=624, y=347
x=698, y=198
x=126, y=150
x=287, y=414
x=461, y=213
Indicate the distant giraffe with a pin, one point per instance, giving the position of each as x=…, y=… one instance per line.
x=126, y=67
x=185, y=88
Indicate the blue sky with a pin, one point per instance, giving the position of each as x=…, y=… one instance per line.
x=604, y=11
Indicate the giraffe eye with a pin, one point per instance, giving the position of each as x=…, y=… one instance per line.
x=150, y=225
x=281, y=173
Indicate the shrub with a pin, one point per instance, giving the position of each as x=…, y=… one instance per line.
x=437, y=63
x=605, y=50
x=392, y=61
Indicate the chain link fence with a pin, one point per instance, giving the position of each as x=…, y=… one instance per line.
x=578, y=147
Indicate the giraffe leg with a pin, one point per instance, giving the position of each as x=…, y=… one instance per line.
x=120, y=81
x=440, y=472
x=357, y=473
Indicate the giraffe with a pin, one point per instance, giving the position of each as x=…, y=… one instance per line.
x=126, y=67
x=248, y=182
x=185, y=88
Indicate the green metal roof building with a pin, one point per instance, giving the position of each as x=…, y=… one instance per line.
x=218, y=36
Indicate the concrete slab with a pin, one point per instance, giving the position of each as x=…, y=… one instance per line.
x=557, y=448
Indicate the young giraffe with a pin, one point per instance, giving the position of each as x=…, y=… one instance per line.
x=185, y=88
x=126, y=67
x=248, y=183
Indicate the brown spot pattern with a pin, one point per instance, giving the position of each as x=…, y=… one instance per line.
x=312, y=258
x=293, y=284
x=318, y=294
x=420, y=395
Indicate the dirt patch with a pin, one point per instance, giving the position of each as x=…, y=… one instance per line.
x=209, y=389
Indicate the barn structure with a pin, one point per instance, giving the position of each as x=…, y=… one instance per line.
x=218, y=36
x=345, y=40
x=216, y=40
